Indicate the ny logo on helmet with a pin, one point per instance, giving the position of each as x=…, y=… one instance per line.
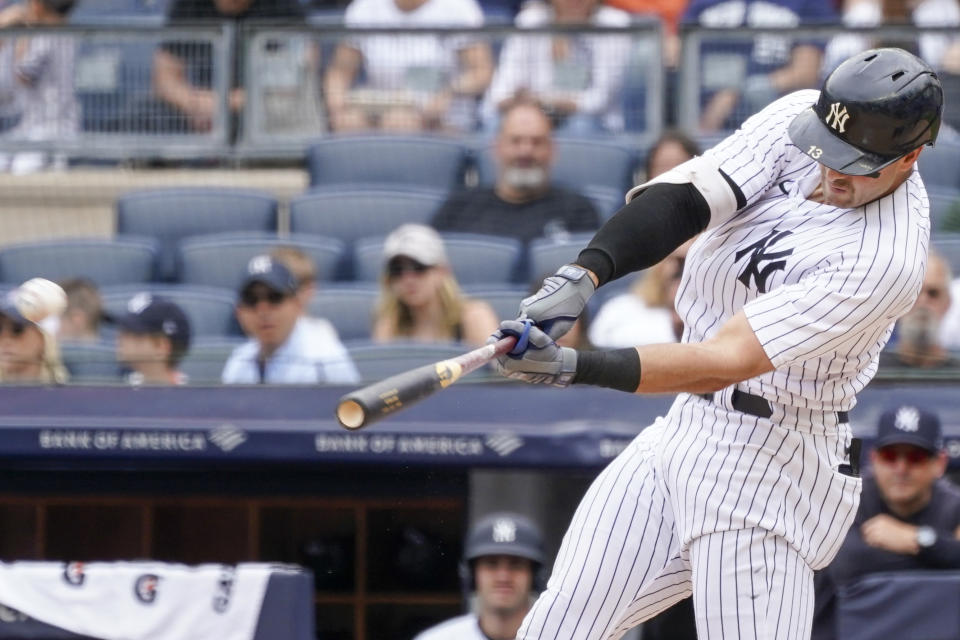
x=839, y=115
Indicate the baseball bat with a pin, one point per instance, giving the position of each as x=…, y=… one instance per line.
x=371, y=403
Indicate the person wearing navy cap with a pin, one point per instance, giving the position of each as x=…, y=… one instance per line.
x=282, y=349
x=152, y=339
x=909, y=515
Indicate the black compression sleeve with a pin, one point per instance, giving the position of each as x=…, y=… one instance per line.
x=648, y=228
x=619, y=369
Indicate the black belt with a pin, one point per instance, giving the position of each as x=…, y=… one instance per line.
x=758, y=406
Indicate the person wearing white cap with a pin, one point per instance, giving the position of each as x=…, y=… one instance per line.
x=419, y=295
x=29, y=354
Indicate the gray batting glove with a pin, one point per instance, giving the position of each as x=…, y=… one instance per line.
x=559, y=302
x=542, y=362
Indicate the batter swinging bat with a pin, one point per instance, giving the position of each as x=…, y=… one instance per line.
x=369, y=404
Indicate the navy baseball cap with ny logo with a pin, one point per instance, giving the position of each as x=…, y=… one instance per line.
x=910, y=425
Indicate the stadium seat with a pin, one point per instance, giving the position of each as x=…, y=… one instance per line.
x=475, y=258
x=505, y=300
x=547, y=255
x=387, y=160
x=90, y=362
x=220, y=260
x=98, y=12
x=940, y=165
x=949, y=245
x=101, y=260
x=606, y=200
x=352, y=213
x=349, y=306
x=578, y=163
x=204, y=362
x=210, y=310
x=169, y=215
x=376, y=360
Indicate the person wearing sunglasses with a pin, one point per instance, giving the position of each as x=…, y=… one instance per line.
x=29, y=354
x=909, y=514
x=282, y=348
x=918, y=343
x=419, y=295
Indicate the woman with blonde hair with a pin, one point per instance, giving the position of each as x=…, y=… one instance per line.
x=420, y=299
x=28, y=352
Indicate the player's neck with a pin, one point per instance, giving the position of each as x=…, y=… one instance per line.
x=501, y=627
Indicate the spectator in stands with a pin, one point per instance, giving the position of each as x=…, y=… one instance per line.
x=909, y=516
x=419, y=296
x=577, y=77
x=739, y=79
x=281, y=348
x=152, y=339
x=183, y=70
x=304, y=271
x=523, y=203
x=502, y=567
x=932, y=47
x=950, y=329
x=28, y=353
x=413, y=83
x=646, y=313
x=81, y=320
x=918, y=342
x=43, y=66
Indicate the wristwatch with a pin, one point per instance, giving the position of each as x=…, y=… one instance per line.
x=926, y=537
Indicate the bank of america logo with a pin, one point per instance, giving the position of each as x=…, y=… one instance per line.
x=227, y=437
x=503, y=442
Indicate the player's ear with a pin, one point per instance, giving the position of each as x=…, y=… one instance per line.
x=909, y=159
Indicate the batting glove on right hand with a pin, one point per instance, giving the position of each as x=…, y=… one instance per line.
x=560, y=301
x=542, y=362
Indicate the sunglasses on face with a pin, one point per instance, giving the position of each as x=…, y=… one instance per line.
x=912, y=456
x=400, y=267
x=252, y=298
x=16, y=330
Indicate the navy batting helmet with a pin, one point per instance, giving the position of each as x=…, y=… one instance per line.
x=874, y=108
x=506, y=534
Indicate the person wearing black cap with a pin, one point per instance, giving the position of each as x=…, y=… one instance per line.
x=282, y=348
x=909, y=515
x=153, y=337
x=502, y=566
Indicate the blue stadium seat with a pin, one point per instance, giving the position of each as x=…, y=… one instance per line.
x=475, y=258
x=103, y=261
x=145, y=12
x=204, y=362
x=578, y=163
x=949, y=245
x=376, y=360
x=505, y=300
x=210, y=310
x=349, y=306
x=90, y=362
x=169, y=215
x=547, y=255
x=220, y=259
x=387, y=160
x=351, y=213
x=940, y=165
x=606, y=200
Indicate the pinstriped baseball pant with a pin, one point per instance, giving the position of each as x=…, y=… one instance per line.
x=621, y=563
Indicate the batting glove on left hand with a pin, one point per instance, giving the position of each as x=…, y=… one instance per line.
x=542, y=362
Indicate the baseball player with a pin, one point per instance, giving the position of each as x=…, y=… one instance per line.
x=502, y=565
x=813, y=224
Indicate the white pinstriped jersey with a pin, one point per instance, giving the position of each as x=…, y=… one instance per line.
x=821, y=286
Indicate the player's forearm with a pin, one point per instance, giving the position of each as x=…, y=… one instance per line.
x=674, y=368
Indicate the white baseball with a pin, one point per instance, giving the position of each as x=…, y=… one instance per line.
x=39, y=298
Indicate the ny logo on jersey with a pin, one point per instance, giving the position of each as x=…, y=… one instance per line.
x=758, y=255
x=838, y=114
